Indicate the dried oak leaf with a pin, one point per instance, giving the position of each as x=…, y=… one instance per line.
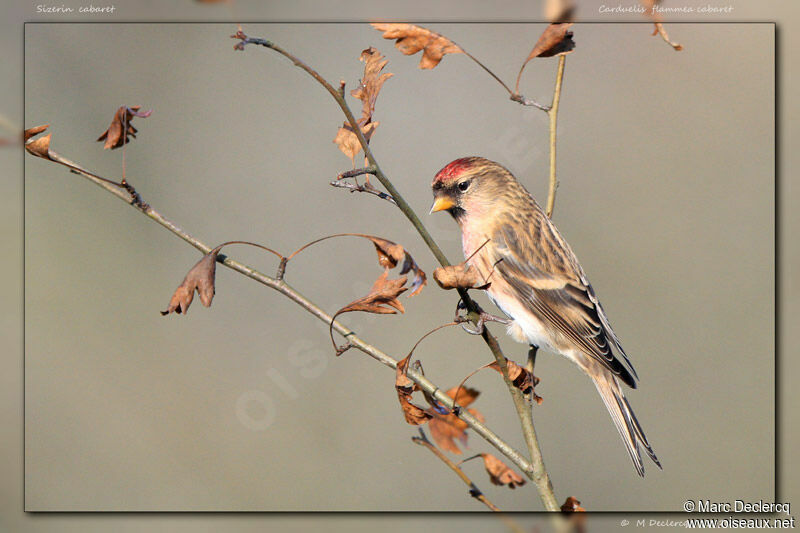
x=372, y=81
x=446, y=428
x=520, y=377
x=460, y=276
x=199, y=278
x=416, y=416
x=572, y=505
x=121, y=129
x=410, y=39
x=500, y=473
x=39, y=147
x=347, y=140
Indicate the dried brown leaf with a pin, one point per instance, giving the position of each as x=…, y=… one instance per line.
x=382, y=297
x=555, y=40
x=500, y=473
x=410, y=39
x=414, y=414
x=390, y=254
x=32, y=132
x=200, y=278
x=372, y=82
x=460, y=276
x=347, y=140
x=520, y=377
x=447, y=428
x=39, y=147
x=572, y=505
x=121, y=129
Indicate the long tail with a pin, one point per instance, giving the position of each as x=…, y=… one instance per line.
x=622, y=414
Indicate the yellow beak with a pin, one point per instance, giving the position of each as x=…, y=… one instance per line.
x=442, y=203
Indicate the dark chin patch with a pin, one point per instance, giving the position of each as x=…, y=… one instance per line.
x=456, y=212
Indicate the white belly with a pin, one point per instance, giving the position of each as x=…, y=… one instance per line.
x=525, y=327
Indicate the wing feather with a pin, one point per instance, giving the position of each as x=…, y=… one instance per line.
x=545, y=274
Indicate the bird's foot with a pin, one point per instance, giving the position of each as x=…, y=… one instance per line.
x=483, y=318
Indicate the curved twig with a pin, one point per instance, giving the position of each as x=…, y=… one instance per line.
x=282, y=287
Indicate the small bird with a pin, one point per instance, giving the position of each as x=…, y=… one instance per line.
x=537, y=282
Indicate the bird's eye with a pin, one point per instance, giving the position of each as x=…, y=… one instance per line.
x=463, y=186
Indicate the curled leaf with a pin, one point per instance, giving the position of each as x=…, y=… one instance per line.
x=460, y=276
x=555, y=40
x=382, y=297
x=39, y=147
x=32, y=132
x=381, y=300
x=121, y=129
x=410, y=39
x=447, y=428
x=520, y=377
x=414, y=415
x=572, y=505
x=372, y=82
x=347, y=140
x=500, y=473
x=199, y=278
x=390, y=254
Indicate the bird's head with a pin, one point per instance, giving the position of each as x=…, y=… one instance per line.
x=469, y=186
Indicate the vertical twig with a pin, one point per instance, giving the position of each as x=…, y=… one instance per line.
x=537, y=473
x=553, y=113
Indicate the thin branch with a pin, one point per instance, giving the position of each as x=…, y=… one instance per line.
x=516, y=97
x=474, y=491
x=553, y=113
x=536, y=471
x=355, y=172
x=282, y=287
x=528, y=102
x=366, y=187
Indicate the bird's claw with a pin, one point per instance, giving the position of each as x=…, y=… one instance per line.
x=483, y=318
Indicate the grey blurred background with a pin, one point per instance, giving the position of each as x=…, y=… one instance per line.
x=666, y=195
x=11, y=504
